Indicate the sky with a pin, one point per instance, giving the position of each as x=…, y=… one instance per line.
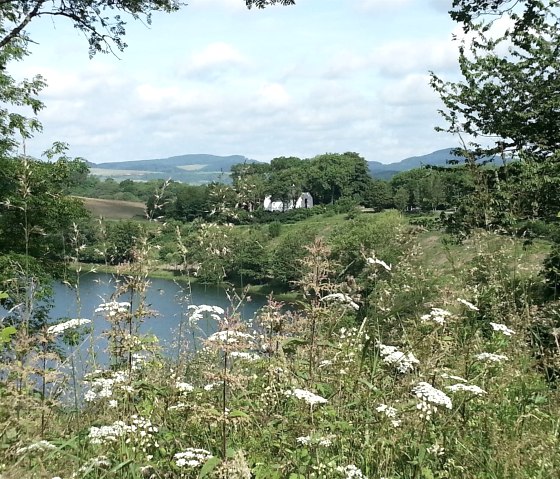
x=321, y=76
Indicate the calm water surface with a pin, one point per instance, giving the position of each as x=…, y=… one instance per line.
x=168, y=299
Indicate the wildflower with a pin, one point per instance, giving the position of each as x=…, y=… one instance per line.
x=61, y=327
x=113, y=307
x=491, y=357
x=199, y=312
x=245, y=356
x=304, y=440
x=209, y=387
x=192, y=457
x=467, y=388
x=113, y=403
x=469, y=305
x=403, y=362
x=39, y=446
x=430, y=398
x=351, y=472
x=379, y=262
x=436, y=450
x=184, y=387
x=309, y=397
x=502, y=328
x=390, y=412
x=228, y=337
x=437, y=315
x=341, y=298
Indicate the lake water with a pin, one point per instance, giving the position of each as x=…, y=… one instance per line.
x=168, y=299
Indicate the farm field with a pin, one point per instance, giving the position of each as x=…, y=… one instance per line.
x=115, y=209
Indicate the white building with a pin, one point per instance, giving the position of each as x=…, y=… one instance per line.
x=305, y=200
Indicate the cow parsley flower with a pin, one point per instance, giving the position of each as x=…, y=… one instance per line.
x=431, y=398
x=245, y=356
x=471, y=388
x=113, y=307
x=437, y=315
x=491, y=357
x=184, y=387
x=404, y=362
x=351, y=472
x=229, y=337
x=201, y=311
x=39, y=446
x=192, y=457
x=502, y=328
x=309, y=397
x=61, y=327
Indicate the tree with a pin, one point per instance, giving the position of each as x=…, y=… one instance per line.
x=510, y=92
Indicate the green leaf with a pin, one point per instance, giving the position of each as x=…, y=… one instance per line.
x=6, y=334
x=427, y=473
x=209, y=466
x=237, y=413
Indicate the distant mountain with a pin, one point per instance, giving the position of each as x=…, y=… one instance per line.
x=193, y=169
x=387, y=171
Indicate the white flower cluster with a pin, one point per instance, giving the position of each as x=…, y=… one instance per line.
x=468, y=304
x=379, y=262
x=197, y=313
x=351, y=472
x=61, y=327
x=245, y=356
x=184, y=387
x=192, y=457
x=323, y=441
x=307, y=396
x=341, y=298
x=140, y=431
x=491, y=357
x=39, y=446
x=113, y=307
x=502, y=328
x=390, y=412
x=436, y=450
x=404, y=362
x=229, y=337
x=471, y=388
x=436, y=315
x=431, y=398
x=100, y=462
x=102, y=387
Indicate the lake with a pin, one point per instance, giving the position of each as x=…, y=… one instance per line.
x=168, y=298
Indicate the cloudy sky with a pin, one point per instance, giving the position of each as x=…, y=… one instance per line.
x=321, y=76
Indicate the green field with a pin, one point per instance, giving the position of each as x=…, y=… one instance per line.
x=115, y=209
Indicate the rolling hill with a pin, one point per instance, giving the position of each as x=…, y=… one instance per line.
x=193, y=169
x=202, y=168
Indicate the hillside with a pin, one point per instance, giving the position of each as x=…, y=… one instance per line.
x=203, y=168
x=193, y=169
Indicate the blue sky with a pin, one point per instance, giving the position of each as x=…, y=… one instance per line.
x=321, y=76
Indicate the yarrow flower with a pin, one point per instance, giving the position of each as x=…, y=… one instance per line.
x=39, y=446
x=229, y=337
x=351, y=472
x=390, y=412
x=491, y=357
x=471, y=388
x=113, y=307
x=61, y=327
x=199, y=312
x=437, y=315
x=502, y=328
x=404, y=362
x=184, y=387
x=307, y=396
x=468, y=304
x=315, y=440
x=431, y=398
x=192, y=457
x=341, y=298
x=102, y=387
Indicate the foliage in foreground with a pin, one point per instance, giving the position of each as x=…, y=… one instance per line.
x=350, y=385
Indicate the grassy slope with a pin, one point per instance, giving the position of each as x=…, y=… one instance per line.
x=115, y=209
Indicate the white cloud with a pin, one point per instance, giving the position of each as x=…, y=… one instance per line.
x=214, y=58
